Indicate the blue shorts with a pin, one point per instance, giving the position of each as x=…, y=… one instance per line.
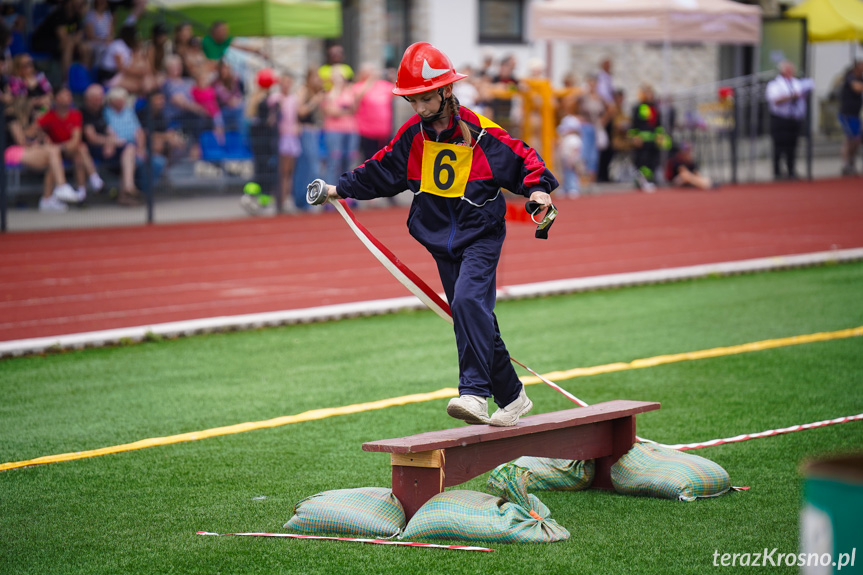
x=850, y=125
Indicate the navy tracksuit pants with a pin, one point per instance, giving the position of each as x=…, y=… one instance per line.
x=470, y=282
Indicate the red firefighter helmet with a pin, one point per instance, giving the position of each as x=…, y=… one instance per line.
x=424, y=68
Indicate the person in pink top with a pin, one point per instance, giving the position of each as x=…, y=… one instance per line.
x=204, y=94
x=374, y=110
x=340, y=127
x=289, y=139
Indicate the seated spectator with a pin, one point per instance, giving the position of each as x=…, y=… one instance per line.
x=164, y=140
x=131, y=143
x=98, y=30
x=204, y=94
x=125, y=64
x=180, y=45
x=63, y=124
x=229, y=94
x=61, y=34
x=682, y=171
x=182, y=111
x=22, y=151
x=160, y=46
x=31, y=91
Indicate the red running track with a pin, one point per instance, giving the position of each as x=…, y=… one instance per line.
x=63, y=282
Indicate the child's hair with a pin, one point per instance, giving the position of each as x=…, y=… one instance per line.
x=452, y=104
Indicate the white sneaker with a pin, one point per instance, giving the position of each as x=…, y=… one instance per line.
x=508, y=416
x=52, y=204
x=81, y=194
x=96, y=183
x=250, y=204
x=65, y=193
x=470, y=408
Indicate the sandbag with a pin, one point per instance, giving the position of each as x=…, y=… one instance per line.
x=546, y=474
x=657, y=471
x=366, y=511
x=518, y=517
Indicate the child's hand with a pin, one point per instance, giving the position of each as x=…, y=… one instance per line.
x=539, y=197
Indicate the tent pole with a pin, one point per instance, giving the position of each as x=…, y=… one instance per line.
x=754, y=105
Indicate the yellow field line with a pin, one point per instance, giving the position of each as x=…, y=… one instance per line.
x=444, y=393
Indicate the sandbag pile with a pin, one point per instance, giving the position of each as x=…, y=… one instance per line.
x=366, y=511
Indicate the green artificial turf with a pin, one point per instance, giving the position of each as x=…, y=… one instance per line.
x=137, y=512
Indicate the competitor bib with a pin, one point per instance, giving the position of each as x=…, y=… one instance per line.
x=445, y=169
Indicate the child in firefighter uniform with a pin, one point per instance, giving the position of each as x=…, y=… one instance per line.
x=455, y=162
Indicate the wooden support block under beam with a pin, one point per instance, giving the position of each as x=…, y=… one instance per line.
x=433, y=459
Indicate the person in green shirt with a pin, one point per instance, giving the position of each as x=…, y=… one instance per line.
x=219, y=39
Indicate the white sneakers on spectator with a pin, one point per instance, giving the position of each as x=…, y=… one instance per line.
x=65, y=193
x=52, y=204
x=508, y=416
x=470, y=408
x=96, y=182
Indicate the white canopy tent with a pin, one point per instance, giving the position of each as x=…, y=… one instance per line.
x=675, y=21
x=662, y=21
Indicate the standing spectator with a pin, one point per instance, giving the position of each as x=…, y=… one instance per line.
x=309, y=99
x=285, y=102
x=219, y=39
x=63, y=126
x=467, y=92
x=181, y=109
x=605, y=89
x=503, y=109
x=335, y=63
x=131, y=143
x=125, y=64
x=230, y=96
x=593, y=112
x=61, y=34
x=263, y=139
x=340, y=127
x=618, y=138
x=569, y=151
x=850, y=103
x=786, y=97
x=374, y=110
x=647, y=137
x=98, y=30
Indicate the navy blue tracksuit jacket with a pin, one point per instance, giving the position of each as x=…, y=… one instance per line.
x=458, y=215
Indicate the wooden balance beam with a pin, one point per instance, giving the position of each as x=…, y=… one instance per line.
x=426, y=463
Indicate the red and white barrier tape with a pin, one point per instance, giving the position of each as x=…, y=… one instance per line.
x=760, y=434
x=352, y=540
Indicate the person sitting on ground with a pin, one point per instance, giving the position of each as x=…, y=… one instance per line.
x=682, y=171
x=63, y=125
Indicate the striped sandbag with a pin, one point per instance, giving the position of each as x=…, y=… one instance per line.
x=547, y=474
x=474, y=516
x=366, y=511
x=656, y=471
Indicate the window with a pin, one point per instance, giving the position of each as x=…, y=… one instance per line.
x=501, y=21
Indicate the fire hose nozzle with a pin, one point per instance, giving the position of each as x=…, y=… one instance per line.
x=316, y=192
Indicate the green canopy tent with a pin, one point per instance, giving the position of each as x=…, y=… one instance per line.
x=265, y=18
